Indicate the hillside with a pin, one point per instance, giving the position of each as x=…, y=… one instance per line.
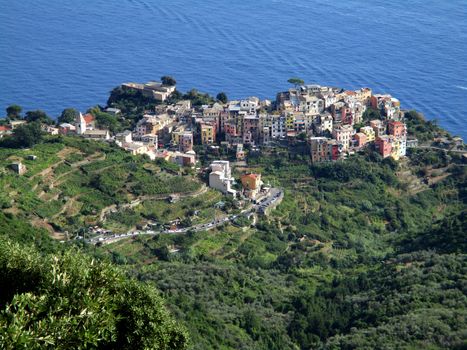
x=361, y=254
x=357, y=252
x=74, y=183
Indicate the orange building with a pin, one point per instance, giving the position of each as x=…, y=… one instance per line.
x=396, y=128
x=360, y=139
x=251, y=184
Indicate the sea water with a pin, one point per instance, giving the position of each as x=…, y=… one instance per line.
x=61, y=53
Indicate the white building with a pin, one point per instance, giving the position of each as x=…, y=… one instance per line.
x=80, y=124
x=272, y=127
x=124, y=137
x=96, y=134
x=220, y=177
x=325, y=123
x=343, y=135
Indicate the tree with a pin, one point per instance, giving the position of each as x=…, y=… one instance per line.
x=296, y=81
x=38, y=116
x=13, y=111
x=174, y=97
x=106, y=121
x=27, y=135
x=302, y=136
x=197, y=98
x=192, y=94
x=222, y=97
x=371, y=114
x=68, y=115
x=168, y=80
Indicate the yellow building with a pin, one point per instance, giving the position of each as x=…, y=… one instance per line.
x=208, y=134
x=396, y=148
x=364, y=95
x=290, y=121
x=176, y=134
x=369, y=132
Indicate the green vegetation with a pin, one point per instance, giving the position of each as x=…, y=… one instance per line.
x=197, y=98
x=371, y=114
x=422, y=129
x=132, y=103
x=13, y=111
x=361, y=254
x=296, y=81
x=26, y=135
x=68, y=115
x=73, y=181
x=222, y=97
x=38, y=116
x=168, y=80
x=70, y=301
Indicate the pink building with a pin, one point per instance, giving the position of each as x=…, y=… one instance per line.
x=384, y=146
x=396, y=128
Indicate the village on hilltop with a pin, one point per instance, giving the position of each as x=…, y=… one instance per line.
x=333, y=122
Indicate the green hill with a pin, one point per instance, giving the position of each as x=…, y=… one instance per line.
x=361, y=254
x=73, y=182
x=357, y=256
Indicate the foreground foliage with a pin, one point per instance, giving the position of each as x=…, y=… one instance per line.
x=69, y=301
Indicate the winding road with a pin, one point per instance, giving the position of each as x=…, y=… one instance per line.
x=273, y=197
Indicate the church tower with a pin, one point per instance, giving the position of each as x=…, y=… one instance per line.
x=80, y=124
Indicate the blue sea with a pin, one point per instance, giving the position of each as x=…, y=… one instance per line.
x=61, y=53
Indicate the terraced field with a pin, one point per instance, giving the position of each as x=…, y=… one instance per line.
x=72, y=181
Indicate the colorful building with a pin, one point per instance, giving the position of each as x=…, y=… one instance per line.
x=251, y=184
x=379, y=127
x=343, y=135
x=384, y=146
x=323, y=149
x=360, y=139
x=396, y=128
x=319, y=149
x=186, y=142
x=208, y=134
x=369, y=133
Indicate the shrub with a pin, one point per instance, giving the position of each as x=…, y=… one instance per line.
x=70, y=301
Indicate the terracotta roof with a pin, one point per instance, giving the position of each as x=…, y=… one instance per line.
x=253, y=176
x=88, y=118
x=350, y=92
x=4, y=128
